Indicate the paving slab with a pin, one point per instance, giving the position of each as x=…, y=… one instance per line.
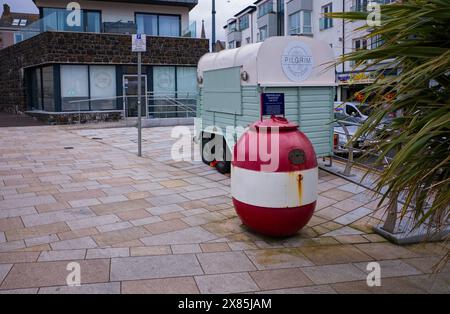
x=324, y=289
x=18, y=257
x=186, y=236
x=107, y=253
x=382, y=251
x=278, y=258
x=151, y=250
x=64, y=255
x=92, y=222
x=118, y=236
x=181, y=285
x=392, y=268
x=41, y=274
x=326, y=255
x=334, y=273
x=20, y=291
x=95, y=288
x=80, y=243
x=280, y=278
x=225, y=262
x=150, y=267
x=4, y=270
x=226, y=283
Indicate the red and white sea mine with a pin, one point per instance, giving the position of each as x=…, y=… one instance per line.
x=274, y=196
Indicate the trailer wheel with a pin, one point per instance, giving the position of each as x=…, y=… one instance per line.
x=224, y=167
x=206, y=158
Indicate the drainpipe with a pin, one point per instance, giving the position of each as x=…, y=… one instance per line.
x=343, y=35
x=286, y=19
x=213, y=39
x=343, y=49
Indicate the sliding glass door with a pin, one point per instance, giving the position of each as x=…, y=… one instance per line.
x=158, y=24
x=56, y=20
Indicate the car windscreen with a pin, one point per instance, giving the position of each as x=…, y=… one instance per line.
x=365, y=109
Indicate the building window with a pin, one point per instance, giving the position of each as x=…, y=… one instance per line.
x=92, y=21
x=56, y=20
x=169, y=25
x=232, y=44
x=294, y=23
x=376, y=41
x=300, y=23
x=307, y=23
x=359, y=44
x=42, y=96
x=164, y=81
x=263, y=33
x=232, y=27
x=48, y=95
x=102, y=80
x=147, y=24
x=18, y=38
x=265, y=8
x=159, y=25
x=36, y=89
x=244, y=22
x=359, y=6
x=326, y=22
x=74, y=87
x=187, y=83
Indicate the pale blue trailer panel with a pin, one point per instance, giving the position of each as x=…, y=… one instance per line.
x=231, y=83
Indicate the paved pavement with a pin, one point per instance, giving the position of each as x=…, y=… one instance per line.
x=153, y=225
x=12, y=120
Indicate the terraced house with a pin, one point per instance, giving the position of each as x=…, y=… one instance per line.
x=65, y=66
x=267, y=18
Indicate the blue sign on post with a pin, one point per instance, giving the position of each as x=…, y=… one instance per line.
x=272, y=104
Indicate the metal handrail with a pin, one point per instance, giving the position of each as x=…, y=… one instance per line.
x=351, y=151
x=350, y=162
x=149, y=96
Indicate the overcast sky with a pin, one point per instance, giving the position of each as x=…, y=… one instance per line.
x=225, y=9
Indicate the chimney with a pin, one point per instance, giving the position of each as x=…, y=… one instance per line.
x=203, y=35
x=6, y=9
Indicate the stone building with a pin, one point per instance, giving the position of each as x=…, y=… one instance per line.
x=61, y=68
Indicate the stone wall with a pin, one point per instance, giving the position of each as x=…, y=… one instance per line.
x=87, y=48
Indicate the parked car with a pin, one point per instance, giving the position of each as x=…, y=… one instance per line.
x=351, y=115
x=360, y=112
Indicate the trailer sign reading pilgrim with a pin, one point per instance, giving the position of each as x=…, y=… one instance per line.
x=297, y=61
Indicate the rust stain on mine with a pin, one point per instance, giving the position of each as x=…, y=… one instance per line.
x=300, y=188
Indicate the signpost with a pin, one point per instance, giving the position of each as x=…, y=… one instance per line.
x=139, y=45
x=272, y=104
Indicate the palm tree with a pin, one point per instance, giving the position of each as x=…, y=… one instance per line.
x=415, y=43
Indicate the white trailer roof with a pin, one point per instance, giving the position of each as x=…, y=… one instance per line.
x=278, y=61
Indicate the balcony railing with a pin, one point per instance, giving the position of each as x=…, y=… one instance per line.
x=361, y=6
x=119, y=27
